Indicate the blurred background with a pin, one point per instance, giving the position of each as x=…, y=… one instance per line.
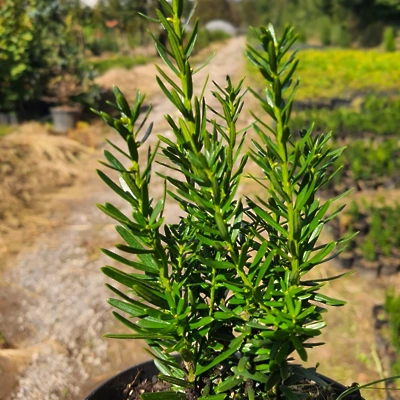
x=59, y=58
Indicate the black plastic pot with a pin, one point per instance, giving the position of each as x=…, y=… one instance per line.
x=113, y=389
x=8, y=118
x=3, y=118
x=64, y=118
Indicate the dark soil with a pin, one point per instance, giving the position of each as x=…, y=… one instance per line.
x=136, y=388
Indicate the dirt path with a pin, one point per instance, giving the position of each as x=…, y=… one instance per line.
x=53, y=307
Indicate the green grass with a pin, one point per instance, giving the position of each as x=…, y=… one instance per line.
x=342, y=73
x=103, y=65
x=6, y=129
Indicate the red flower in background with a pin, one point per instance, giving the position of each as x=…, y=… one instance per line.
x=112, y=23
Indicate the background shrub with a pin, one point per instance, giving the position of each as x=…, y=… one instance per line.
x=37, y=48
x=389, y=39
x=102, y=44
x=325, y=32
x=371, y=35
x=341, y=36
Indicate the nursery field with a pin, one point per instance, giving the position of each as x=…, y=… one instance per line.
x=355, y=95
x=53, y=307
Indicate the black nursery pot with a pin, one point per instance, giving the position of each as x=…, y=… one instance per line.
x=8, y=118
x=64, y=118
x=114, y=388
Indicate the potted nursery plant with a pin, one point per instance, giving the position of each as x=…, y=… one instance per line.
x=64, y=112
x=221, y=297
x=70, y=89
x=69, y=84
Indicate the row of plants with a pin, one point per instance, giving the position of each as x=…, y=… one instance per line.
x=343, y=73
x=377, y=245
x=222, y=296
x=368, y=164
x=377, y=115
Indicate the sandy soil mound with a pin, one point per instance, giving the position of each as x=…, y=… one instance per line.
x=32, y=163
x=130, y=81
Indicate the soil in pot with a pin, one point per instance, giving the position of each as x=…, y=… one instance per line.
x=131, y=383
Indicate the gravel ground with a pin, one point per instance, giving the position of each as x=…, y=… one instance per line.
x=53, y=307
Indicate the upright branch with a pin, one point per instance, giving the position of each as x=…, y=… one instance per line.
x=289, y=220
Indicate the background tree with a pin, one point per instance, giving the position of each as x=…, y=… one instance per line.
x=208, y=10
x=253, y=12
x=16, y=35
x=365, y=20
x=38, y=43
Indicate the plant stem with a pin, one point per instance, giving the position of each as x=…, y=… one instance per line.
x=282, y=143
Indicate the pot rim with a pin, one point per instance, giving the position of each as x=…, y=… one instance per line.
x=150, y=367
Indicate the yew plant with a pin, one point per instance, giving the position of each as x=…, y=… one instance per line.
x=221, y=297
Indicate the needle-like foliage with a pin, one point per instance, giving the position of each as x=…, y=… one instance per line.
x=225, y=288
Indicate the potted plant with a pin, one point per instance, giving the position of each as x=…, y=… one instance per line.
x=221, y=297
x=64, y=112
x=68, y=79
x=67, y=91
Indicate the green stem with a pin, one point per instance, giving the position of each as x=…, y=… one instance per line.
x=287, y=188
x=212, y=294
